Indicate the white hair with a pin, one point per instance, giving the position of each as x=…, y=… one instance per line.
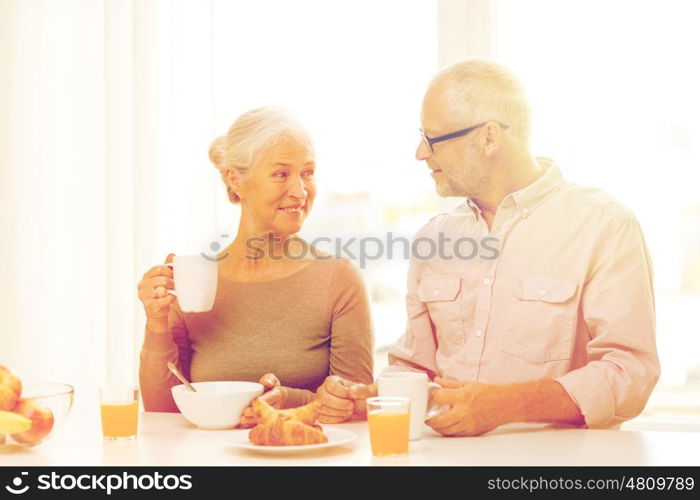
x=251, y=134
x=480, y=90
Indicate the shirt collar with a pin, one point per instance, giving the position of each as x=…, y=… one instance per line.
x=529, y=197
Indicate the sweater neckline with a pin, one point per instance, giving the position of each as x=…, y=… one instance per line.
x=272, y=281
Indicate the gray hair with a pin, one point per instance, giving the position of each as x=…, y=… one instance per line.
x=249, y=136
x=479, y=90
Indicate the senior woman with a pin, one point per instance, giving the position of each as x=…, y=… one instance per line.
x=281, y=307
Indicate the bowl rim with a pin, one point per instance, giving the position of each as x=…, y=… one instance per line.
x=66, y=389
x=254, y=387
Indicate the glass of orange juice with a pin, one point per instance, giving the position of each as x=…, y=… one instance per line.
x=119, y=408
x=389, y=423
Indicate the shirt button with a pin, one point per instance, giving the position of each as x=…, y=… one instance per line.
x=436, y=292
x=543, y=293
x=478, y=333
x=525, y=213
x=487, y=281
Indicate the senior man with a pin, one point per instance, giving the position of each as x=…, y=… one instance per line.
x=556, y=325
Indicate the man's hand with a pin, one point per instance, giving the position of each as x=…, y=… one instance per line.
x=343, y=400
x=475, y=408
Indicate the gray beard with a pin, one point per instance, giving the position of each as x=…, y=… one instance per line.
x=465, y=186
x=449, y=188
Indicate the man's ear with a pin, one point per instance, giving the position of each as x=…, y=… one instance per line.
x=233, y=177
x=493, y=136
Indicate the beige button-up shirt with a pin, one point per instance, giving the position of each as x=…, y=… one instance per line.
x=560, y=287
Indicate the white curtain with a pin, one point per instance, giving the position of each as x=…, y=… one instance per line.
x=105, y=118
x=53, y=239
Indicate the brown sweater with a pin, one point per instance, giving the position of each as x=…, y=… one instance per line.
x=304, y=327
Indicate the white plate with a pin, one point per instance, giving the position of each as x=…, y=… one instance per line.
x=336, y=436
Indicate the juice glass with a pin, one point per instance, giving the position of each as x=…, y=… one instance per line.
x=119, y=408
x=389, y=424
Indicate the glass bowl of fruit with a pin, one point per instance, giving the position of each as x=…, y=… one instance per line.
x=31, y=413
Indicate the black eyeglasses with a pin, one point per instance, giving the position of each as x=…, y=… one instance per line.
x=452, y=135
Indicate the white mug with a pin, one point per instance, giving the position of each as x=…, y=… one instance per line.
x=415, y=386
x=195, y=282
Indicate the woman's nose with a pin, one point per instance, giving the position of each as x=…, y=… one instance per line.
x=296, y=187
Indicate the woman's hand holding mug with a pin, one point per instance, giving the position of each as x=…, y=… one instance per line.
x=154, y=293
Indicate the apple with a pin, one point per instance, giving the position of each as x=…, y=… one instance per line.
x=42, y=421
x=10, y=389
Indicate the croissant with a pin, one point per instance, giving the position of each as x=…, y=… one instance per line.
x=291, y=427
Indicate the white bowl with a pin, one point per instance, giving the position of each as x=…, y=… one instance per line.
x=215, y=405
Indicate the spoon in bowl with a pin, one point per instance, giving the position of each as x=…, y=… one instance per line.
x=180, y=376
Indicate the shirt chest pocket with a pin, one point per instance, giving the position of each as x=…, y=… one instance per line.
x=541, y=321
x=441, y=295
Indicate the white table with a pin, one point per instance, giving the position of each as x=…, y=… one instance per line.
x=168, y=439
